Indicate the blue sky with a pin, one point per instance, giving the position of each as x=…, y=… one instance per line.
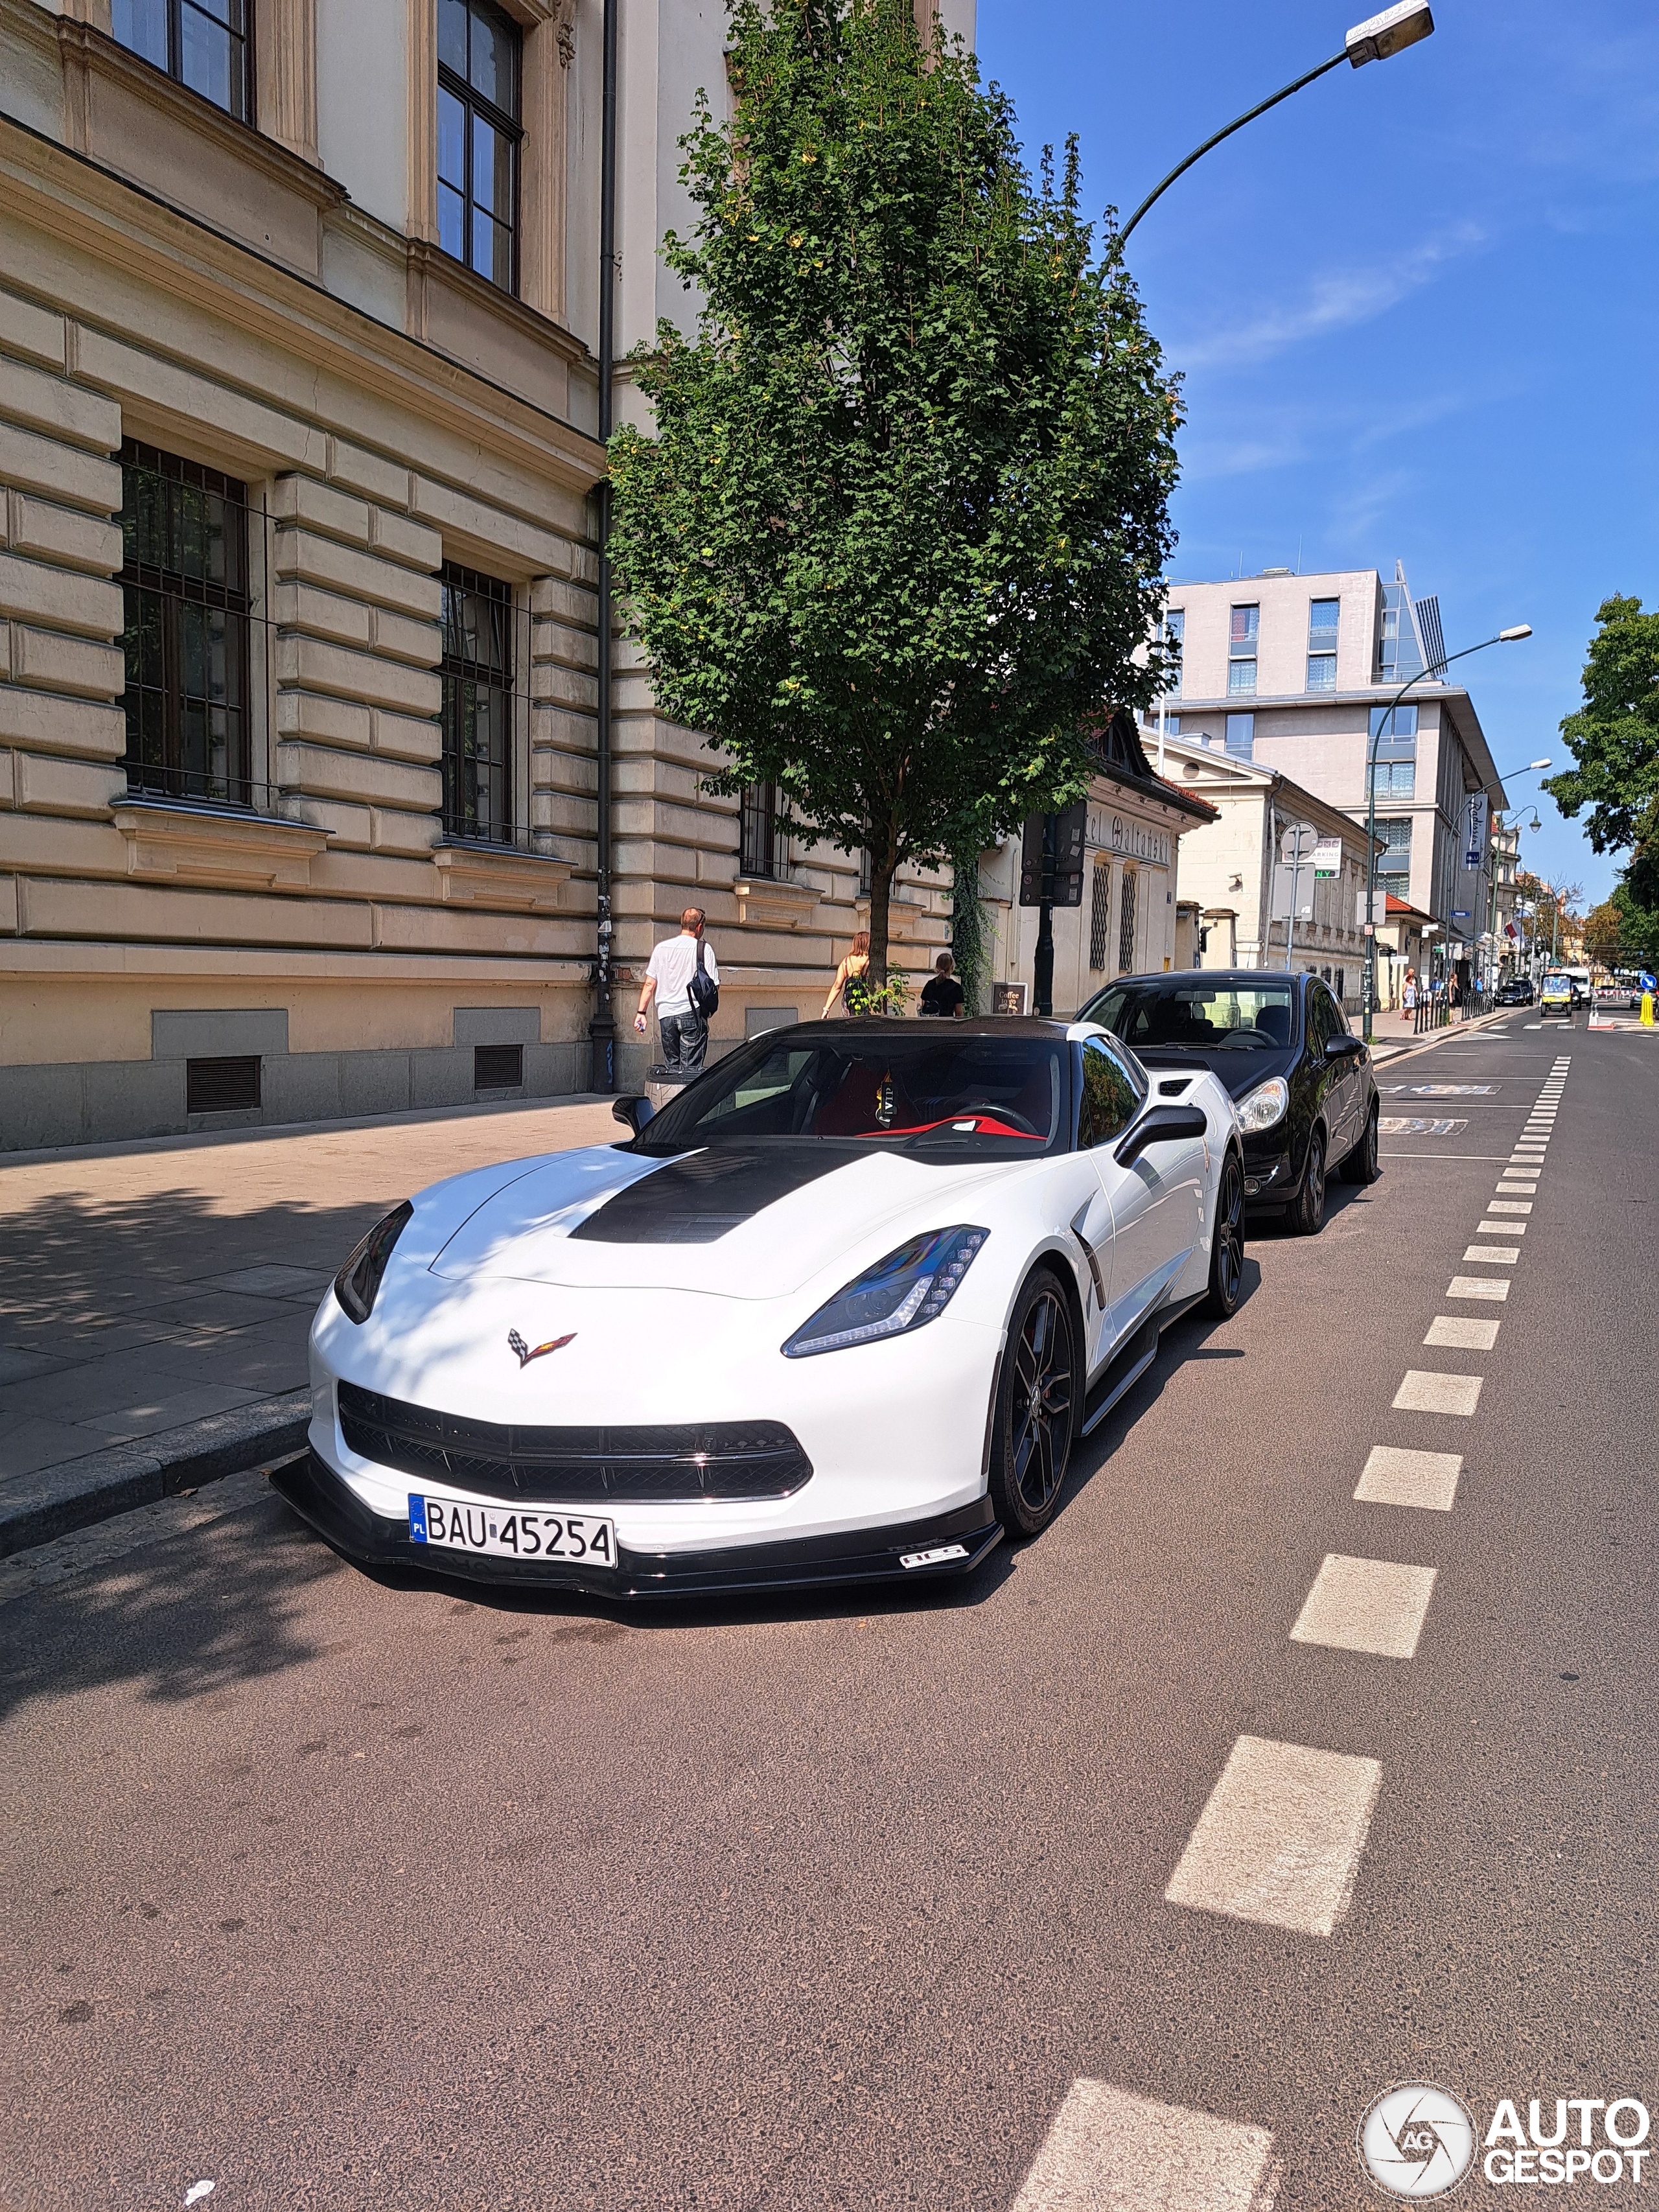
x=1416, y=307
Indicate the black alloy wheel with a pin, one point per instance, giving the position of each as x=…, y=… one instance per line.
x=1227, y=1243
x=1308, y=1214
x=1364, y=1163
x=1037, y=1409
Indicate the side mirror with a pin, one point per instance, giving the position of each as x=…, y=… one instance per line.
x=1344, y=1048
x=1160, y=1125
x=635, y=1112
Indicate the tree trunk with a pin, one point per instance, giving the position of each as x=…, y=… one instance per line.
x=881, y=893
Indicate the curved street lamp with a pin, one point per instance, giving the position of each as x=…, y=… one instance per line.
x=1373, y=41
x=1503, y=637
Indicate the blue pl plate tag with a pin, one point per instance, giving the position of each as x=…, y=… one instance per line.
x=417, y=1519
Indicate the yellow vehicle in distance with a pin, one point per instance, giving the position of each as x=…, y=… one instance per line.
x=1556, y=997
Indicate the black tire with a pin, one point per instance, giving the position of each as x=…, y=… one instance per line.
x=1364, y=1163
x=1227, y=1243
x=1308, y=1214
x=1037, y=1408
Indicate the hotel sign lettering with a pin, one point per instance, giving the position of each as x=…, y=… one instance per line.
x=1136, y=840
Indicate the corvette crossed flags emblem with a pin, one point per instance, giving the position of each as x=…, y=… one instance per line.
x=526, y=1354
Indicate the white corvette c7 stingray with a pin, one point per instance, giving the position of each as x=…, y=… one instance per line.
x=837, y=1313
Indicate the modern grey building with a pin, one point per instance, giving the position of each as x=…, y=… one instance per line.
x=1295, y=673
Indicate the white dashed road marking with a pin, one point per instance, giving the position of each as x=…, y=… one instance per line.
x=1279, y=1840
x=1477, y=1286
x=1423, y=1392
x=1508, y=1205
x=1456, y=1332
x=1500, y=1227
x=1366, y=1605
x=1500, y=1255
x=1109, y=2150
x=1426, y=1479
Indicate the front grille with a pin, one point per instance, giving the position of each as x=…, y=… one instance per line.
x=707, y=1459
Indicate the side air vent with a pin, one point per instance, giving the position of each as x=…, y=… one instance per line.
x=221, y=1086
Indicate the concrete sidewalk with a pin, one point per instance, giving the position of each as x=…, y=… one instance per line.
x=155, y=1297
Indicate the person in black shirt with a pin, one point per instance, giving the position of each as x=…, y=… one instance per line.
x=942, y=994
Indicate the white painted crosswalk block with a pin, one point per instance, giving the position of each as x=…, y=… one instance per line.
x=1423, y=1392
x=1495, y=1256
x=1500, y=1227
x=1280, y=1838
x=1109, y=2150
x=1461, y=1333
x=1422, y=1479
x=1366, y=1605
x=1508, y=1205
x=1477, y=1286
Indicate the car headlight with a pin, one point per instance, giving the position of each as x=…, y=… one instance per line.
x=1263, y=1106
x=907, y=1289
x=358, y=1283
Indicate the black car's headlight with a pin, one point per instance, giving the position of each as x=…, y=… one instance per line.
x=358, y=1283
x=1260, y=1108
x=907, y=1289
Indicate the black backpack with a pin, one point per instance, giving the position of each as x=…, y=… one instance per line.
x=702, y=990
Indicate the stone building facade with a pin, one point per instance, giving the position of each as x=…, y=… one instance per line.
x=298, y=639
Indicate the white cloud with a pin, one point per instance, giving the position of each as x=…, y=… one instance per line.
x=1335, y=303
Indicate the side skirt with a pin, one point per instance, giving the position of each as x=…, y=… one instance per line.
x=1128, y=1365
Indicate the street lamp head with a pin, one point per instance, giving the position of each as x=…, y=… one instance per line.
x=1379, y=36
x=1531, y=765
x=1508, y=636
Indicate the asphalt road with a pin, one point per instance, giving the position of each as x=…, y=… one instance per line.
x=337, y=1893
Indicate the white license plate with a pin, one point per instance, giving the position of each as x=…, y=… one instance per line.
x=500, y=1532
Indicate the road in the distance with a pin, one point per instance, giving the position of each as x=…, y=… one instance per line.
x=348, y=1895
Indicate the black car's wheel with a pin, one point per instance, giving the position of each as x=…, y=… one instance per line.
x=1037, y=1394
x=1227, y=1243
x=1363, y=1163
x=1308, y=1214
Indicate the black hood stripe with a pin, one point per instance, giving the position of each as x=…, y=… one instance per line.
x=703, y=1196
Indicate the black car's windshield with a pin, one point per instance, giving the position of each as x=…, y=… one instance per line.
x=1195, y=1015
x=999, y=1096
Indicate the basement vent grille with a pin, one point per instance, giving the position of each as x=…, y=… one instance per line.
x=497, y=1066
x=222, y=1086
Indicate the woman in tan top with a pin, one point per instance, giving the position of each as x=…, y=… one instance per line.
x=848, y=985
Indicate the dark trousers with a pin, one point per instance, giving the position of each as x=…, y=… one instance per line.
x=685, y=1041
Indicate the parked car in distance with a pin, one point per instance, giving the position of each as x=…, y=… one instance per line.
x=1515, y=992
x=1302, y=1081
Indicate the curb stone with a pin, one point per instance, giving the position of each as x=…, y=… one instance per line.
x=54, y=1500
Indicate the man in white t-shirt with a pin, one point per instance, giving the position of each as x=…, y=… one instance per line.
x=684, y=1031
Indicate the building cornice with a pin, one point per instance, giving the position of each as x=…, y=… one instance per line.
x=96, y=211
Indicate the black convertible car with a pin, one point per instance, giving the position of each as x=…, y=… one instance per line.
x=1301, y=1080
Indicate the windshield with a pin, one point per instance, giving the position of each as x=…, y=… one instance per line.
x=1001, y=1096
x=1221, y=1015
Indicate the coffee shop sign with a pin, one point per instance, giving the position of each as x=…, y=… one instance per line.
x=1136, y=839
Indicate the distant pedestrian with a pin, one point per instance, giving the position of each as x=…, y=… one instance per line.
x=850, y=986
x=1408, y=996
x=942, y=994
x=681, y=972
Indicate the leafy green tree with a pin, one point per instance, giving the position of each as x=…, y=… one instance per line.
x=1614, y=740
x=901, y=519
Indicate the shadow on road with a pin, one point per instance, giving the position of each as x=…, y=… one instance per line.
x=176, y=1620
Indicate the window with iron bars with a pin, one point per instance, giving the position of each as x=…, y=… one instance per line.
x=184, y=628
x=757, y=830
x=1100, y=915
x=1126, y=925
x=478, y=705
x=202, y=44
